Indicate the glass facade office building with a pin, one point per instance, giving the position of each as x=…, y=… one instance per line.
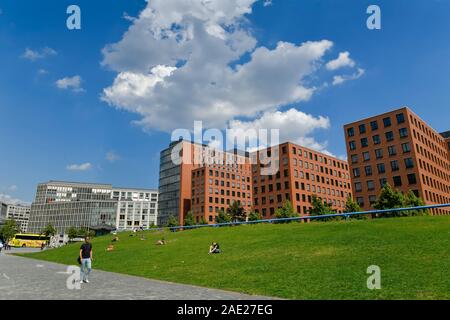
x=86, y=205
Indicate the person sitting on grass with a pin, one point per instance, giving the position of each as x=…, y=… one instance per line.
x=115, y=239
x=110, y=248
x=161, y=242
x=214, y=248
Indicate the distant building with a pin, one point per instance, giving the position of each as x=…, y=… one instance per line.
x=20, y=214
x=3, y=209
x=135, y=208
x=90, y=205
x=401, y=149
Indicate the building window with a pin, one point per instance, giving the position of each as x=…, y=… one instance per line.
x=374, y=125
x=360, y=201
x=379, y=153
x=392, y=151
x=362, y=128
x=368, y=170
x=356, y=172
x=394, y=165
x=406, y=147
x=370, y=185
x=364, y=142
x=409, y=163
x=354, y=158
x=352, y=145
x=383, y=181
x=397, y=181
x=387, y=122
x=389, y=136
x=376, y=139
x=366, y=156
x=372, y=199
x=403, y=132
x=412, y=178
x=400, y=118
x=358, y=186
x=381, y=168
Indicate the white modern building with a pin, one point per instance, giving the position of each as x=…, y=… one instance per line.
x=136, y=208
x=19, y=213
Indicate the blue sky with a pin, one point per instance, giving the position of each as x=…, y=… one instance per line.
x=46, y=129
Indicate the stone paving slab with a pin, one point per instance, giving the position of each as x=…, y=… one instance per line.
x=30, y=279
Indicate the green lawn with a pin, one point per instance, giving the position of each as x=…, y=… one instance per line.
x=298, y=261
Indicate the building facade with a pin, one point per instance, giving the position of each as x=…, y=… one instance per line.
x=216, y=186
x=208, y=181
x=136, y=208
x=301, y=173
x=3, y=209
x=398, y=148
x=20, y=214
x=88, y=205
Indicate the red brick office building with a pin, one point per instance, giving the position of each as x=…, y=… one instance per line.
x=302, y=173
x=399, y=148
x=204, y=186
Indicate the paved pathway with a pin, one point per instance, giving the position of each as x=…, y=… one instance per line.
x=28, y=279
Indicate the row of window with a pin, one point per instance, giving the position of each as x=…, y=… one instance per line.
x=311, y=156
x=381, y=168
x=302, y=186
x=397, y=182
x=432, y=157
x=374, y=125
x=392, y=151
x=376, y=139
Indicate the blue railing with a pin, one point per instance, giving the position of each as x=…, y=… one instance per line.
x=345, y=215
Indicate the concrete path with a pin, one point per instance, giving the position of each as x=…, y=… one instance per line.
x=29, y=279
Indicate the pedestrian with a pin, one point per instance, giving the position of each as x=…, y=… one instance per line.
x=86, y=260
x=214, y=248
x=1, y=246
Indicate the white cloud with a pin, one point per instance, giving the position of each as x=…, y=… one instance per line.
x=182, y=61
x=340, y=79
x=177, y=64
x=42, y=72
x=5, y=198
x=71, y=83
x=79, y=167
x=111, y=156
x=293, y=125
x=34, y=55
x=267, y=3
x=343, y=60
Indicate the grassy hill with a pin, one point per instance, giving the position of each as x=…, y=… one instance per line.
x=298, y=261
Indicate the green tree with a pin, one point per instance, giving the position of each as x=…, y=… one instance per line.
x=189, y=219
x=223, y=217
x=172, y=222
x=353, y=206
x=49, y=230
x=254, y=216
x=9, y=230
x=320, y=208
x=411, y=200
x=236, y=212
x=287, y=211
x=72, y=233
x=390, y=199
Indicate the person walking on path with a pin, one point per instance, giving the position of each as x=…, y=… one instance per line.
x=86, y=260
